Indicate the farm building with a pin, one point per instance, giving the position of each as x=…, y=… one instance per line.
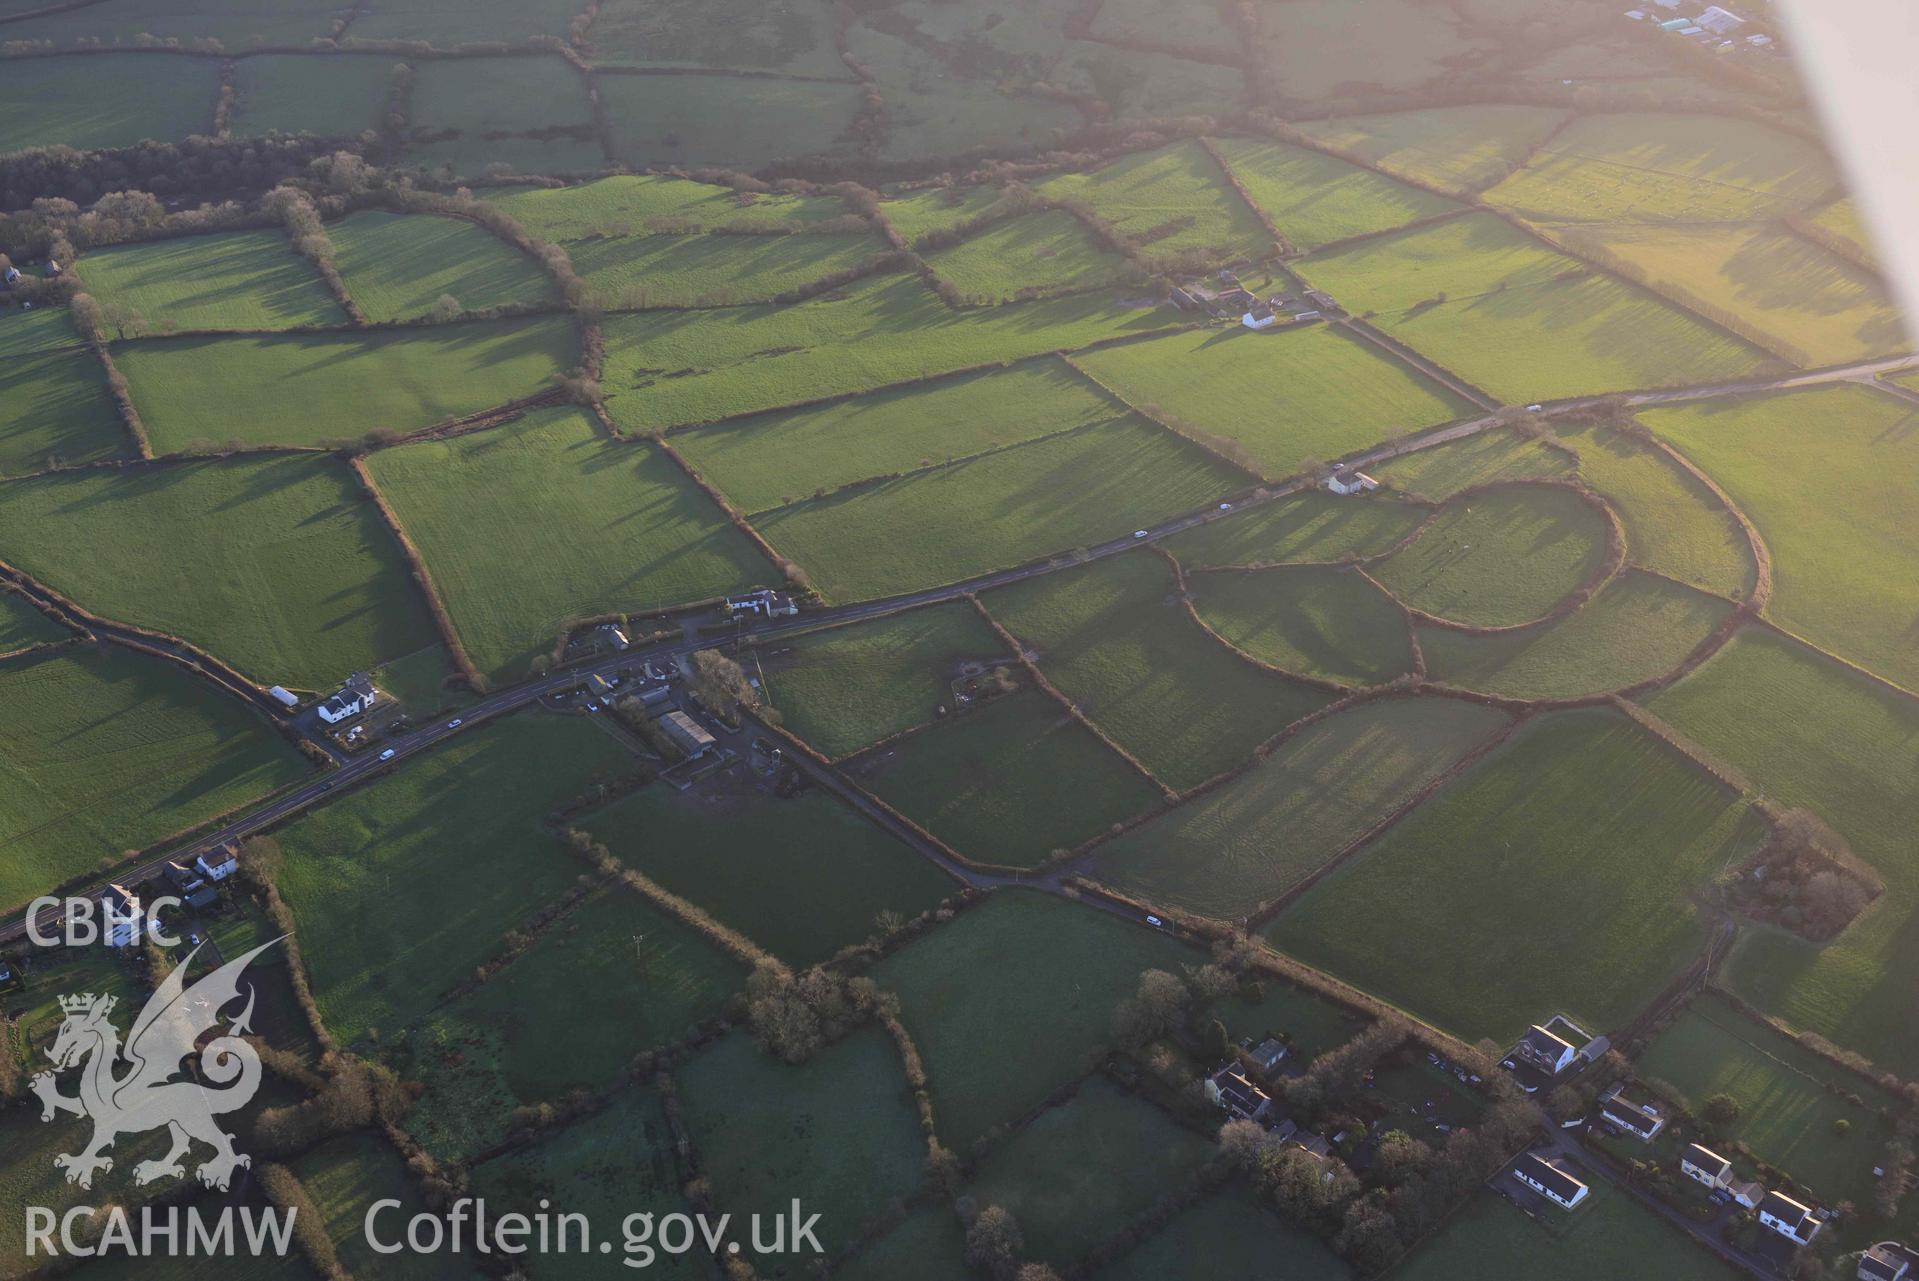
x=284, y=697
x=1641, y=1120
x=1703, y=1165
x=686, y=733
x=1260, y=317
x=1268, y=1054
x=352, y=698
x=1182, y=300
x=1551, y=1182
x=1229, y=1088
x=1789, y=1218
x=1721, y=22
x=1885, y=1262
x=1345, y=482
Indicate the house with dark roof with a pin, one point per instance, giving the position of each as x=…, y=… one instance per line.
x=1547, y=1051
x=1704, y=1166
x=1789, y=1218
x=1268, y=1054
x=1229, y=1088
x=217, y=865
x=1549, y=1180
x=352, y=698
x=190, y=884
x=125, y=919
x=1887, y=1261
x=1643, y=1121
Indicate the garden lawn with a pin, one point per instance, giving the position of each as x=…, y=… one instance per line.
x=1009, y=782
x=735, y=123
x=1241, y=845
x=1486, y=302
x=714, y=270
x=543, y=521
x=635, y=204
x=1290, y=400
x=1113, y=637
x=1641, y=167
x=1047, y=251
x=1554, y=875
x=848, y=687
x=774, y=459
x=1608, y=1237
x=1456, y=149
x=296, y=93
x=839, y=1131
x=1309, y=1024
x=520, y=1037
x=802, y=876
x=398, y=267
x=996, y=511
x=1813, y=734
x=461, y=830
x=1315, y=199
x=58, y=102
x=1789, y=1098
x=1312, y=620
x=1637, y=628
x=1824, y=475
x=1817, y=308
x=668, y=368
x=104, y=751
x=1497, y=454
x=344, y=1178
x=617, y=1162
x=229, y=280
x=1309, y=526
x=307, y=389
x=1077, y=1169
x=54, y=405
x=1036, y=976
x=1228, y=1235
x=276, y=564
x=1674, y=523
x=1500, y=557
x=1173, y=200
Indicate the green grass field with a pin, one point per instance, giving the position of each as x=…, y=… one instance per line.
x=668, y=368
x=1843, y=219
x=1309, y=1024
x=839, y=1130
x=304, y=94
x=235, y=25
x=1816, y=305
x=929, y=1246
x=1047, y=250
x=796, y=39
x=1456, y=149
x=1228, y=1235
x=639, y=204
x=307, y=389
x=398, y=268
x=520, y=1038
x=1309, y=526
x=345, y=1177
x=1552, y=877
x=802, y=877
x=1327, y=47
x=478, y=96
x=22, y=626
x=54, y=405
x=1290, y=399
x=1501, y=557
x=1788, y=1097
x=1442, y=471
x=1078, y=1169
x=484, y=21
x=1607, y=1237
x=1636, y=628
x=931, y=112
x=928, y=209
x=29, y=1177
x=1170, y=200
x=1241, y=845
x=576, y=153
x=483, y=509
x=274, y=564
x=101, y=753
x=1308, y=619
x=1520, y=321
x=778, y=458
x=1113, y=638
x=1008, y=782
x=849, y=687
x=996, y=511
x=459, y=829
x=1820, y=473
x=1674, y=524
x=713, y=271
x=231, y=280
x=57, y=102
x=1315, y=199
x=699, y=120
x=616, y=1163
x=1199, y=23
x=1812, y=734
x=970, y=984
x=1656, y=167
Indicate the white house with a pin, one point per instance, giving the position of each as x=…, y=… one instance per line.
x=1260, y=317
x=219, y=864
x=1703, y=1165
x=1885, y=1262
x=1641, y=1120
x=352, y=698
x=125, y=919
x=1789, y=1218
x=1551, y=1182
x=1345, y=482
x=1547, y=1051
x=1229, y=1088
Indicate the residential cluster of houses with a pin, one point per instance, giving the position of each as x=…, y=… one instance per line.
x=764, y=603
x=1235, y=1092
x=193, y=883
x=1791, y=1219
x=1713, y=26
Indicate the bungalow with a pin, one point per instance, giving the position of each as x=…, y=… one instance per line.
x=352, y=698
x=219, y=864
x=125, y=919
x=1268, y=1054
x=1260, y=317
x=1551, y=1182
x=1345, y=482
x=1789, y=1218
x=1229, y=1089
x=685, y=733
x=1886, y=1261
x=1703, y=1165
x=1641, y=1120
x=1547, y=1051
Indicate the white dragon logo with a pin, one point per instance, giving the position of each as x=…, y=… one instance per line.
x=148, y=1096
